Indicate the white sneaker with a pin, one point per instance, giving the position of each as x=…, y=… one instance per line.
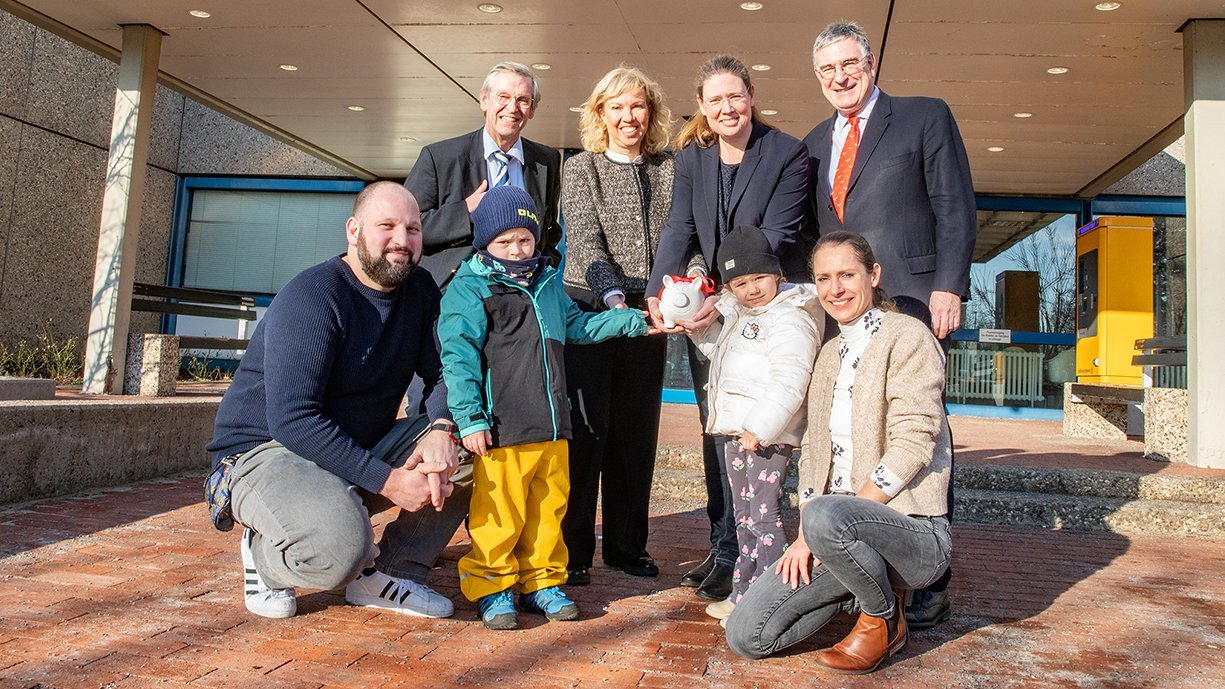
x=260, y=598
x=721, y=610
x=377, y=590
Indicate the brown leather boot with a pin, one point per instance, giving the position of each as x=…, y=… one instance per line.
x=871, y=640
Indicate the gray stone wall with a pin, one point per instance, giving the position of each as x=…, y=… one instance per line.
x=56, y=102
x=1165, y=174
x=213, y=144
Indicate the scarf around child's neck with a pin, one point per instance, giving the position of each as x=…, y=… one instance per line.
x=522, y=272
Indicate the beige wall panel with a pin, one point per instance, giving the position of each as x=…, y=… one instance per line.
x=509, y=42
x=1089, y=72
x=172, y=17
x=290, y=87
x=1055, y=12
x=432, y=12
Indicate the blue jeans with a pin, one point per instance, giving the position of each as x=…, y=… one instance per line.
x=864, y=549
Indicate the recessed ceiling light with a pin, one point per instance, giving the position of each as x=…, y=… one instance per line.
x=541, y=66
x=407, y=139
x=489, y=7
x=200, y=13
x=751, y=6
x=769, y=112
x=356, y=108
x=1107, y=6
x=289, y=68
x=1022, y=115
x=1057, y=70
x=763, y=67
x=995, y=149
x=576, y=108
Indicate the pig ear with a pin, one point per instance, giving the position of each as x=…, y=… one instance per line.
x=667, y=281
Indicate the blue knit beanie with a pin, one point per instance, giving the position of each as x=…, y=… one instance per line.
x=503, y=208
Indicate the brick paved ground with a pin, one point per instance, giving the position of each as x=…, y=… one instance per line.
x=132, y=588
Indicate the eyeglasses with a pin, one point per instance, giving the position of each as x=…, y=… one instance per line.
x=734, y=99
x=852, y=68
x=502, y=99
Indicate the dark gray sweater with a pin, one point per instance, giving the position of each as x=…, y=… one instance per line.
x=614, y=213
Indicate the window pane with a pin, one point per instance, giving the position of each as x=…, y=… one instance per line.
x=256, y=241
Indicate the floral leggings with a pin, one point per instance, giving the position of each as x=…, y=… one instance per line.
x=756, y=480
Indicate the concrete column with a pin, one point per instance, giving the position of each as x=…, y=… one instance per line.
x=107, y=338
x=1204, y=80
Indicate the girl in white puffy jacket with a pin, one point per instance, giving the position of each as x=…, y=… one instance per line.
x=761, y=360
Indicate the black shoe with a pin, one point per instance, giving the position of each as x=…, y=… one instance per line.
x=642, y=567
x=718, y=584
x=694, y=577
x=578, y=576
x=928, y=609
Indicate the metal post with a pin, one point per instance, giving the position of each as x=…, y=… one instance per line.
x=119, y=230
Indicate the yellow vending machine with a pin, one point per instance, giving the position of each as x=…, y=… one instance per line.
x=1114, y=298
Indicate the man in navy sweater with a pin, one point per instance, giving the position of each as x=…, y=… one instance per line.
x=319, y=386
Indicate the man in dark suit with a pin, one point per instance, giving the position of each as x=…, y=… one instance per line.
x=895, y=170
x=906, y=184
x=451, y=177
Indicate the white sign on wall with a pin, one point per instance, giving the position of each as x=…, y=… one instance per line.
x=995, y=336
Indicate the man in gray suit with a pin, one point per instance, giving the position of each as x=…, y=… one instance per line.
x=906, y=179
x=451, y=177
x=894, y=169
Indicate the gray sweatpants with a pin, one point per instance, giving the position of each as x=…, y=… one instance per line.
x=312, y=528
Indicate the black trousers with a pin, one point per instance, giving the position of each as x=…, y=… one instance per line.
x=614, y=389
x=718, y=491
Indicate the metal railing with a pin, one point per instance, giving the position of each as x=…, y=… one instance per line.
x=1002, y=377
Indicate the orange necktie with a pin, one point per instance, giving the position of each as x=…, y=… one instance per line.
x=846, y=162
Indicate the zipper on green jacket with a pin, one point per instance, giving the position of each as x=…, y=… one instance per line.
x=544, y=349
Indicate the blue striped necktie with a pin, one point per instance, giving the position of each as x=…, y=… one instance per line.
x=503, y=176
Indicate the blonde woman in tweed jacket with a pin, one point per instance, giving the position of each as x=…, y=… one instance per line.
x=615, y=198
x=873, y=520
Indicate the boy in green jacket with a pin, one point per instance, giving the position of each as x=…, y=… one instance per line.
x=504, y=322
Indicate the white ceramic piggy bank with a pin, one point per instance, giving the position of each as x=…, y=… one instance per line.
x=681, y=298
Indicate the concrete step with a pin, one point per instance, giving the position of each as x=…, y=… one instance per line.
x=1082, y=500
x=1090, y=513
x=1111, y=484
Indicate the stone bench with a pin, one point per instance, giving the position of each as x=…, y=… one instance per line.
x=1098, y=410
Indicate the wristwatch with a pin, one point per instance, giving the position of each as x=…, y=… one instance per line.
x=446, y=427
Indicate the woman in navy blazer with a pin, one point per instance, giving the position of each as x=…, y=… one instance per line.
x=732, y=169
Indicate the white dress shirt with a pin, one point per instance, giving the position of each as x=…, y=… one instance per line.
x=493, y=166
x=842, y=126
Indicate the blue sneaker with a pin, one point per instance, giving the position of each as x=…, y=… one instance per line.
x=498, y=610
x=550, y=602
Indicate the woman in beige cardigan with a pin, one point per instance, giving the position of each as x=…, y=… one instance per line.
x=873, y=520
